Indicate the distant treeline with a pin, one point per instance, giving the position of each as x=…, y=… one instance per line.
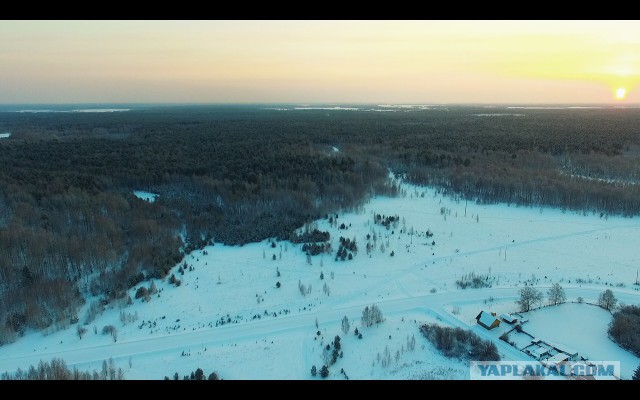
x=70, y=225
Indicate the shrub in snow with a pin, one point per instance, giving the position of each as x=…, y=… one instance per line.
x=110, y=330
x=81, y=330
x=474, y=281
x=460, y=343
x=625, y=328
x=142, y=292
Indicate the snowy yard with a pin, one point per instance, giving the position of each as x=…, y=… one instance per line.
x=582, y=327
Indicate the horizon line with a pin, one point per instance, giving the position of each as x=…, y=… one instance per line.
x=307, y=103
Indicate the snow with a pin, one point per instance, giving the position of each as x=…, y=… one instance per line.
x=5, y=135
x=100, y=110
x=582, y=327
x=270, y=332
x=336, y=108
x=146, y=196
x=498, y=115
x=80, y=110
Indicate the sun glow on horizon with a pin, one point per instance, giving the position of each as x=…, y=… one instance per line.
x=319, y=61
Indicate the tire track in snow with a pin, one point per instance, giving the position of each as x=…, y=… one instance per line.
x=402, y=272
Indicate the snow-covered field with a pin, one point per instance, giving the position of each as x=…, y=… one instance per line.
x=229, y=316
x=584, y=328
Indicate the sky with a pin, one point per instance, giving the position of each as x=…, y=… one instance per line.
x=414, y=62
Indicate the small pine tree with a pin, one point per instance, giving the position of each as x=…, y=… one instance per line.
x=345, y=325
x=324, y=371
x=314, y=370
x=636, y=374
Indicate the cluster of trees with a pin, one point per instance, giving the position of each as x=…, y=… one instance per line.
x=314, y=236
x=314, y=249
x=347, y=249
x=57, y=369
x=324, y=371
x=371, y=315
x=197, y=375
x=625, y=328
x=529, y=297
x=61, y=242
x=387, y=221
x=474, y=281
x=70, y=225
x=460, y=343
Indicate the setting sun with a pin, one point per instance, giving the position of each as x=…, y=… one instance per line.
x=621, y=93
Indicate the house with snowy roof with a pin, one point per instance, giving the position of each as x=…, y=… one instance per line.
x=488, y=320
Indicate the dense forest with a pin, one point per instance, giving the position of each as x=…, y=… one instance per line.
x=70, y=224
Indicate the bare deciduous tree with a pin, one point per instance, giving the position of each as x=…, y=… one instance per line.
x=529, y=297
x=371, y=315
x=556, y=294
x=607, y=300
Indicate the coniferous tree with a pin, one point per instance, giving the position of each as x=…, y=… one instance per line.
x=636, y=374
x=345, y=325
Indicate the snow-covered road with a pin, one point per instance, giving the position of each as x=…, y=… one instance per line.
x=433, y=304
